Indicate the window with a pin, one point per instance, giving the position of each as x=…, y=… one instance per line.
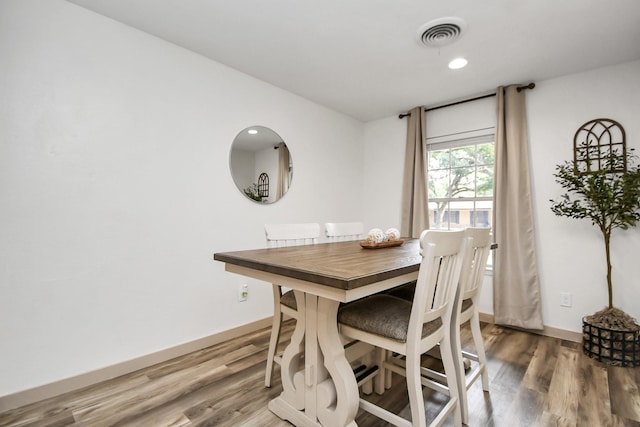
x=446, y=216
x=480, y=218
x=460, y=182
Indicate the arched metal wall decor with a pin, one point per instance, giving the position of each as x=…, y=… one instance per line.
x=263, y=185
x=600, y=144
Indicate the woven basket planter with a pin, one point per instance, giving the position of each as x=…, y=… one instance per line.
x=610, y=346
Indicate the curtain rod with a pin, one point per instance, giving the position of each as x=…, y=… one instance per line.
x=519, y=89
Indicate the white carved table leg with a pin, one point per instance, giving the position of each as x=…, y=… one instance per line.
x=291, y=399
x=338, y=397
x=326, y=392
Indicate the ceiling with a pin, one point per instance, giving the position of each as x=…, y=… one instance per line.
x=261, y=139
x=364, y=58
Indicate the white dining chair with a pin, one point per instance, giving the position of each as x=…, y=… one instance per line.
x=412, y=328
x=471, y=279
x=279, y=235
x=342, y=231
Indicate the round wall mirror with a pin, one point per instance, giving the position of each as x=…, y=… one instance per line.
x=260, y=164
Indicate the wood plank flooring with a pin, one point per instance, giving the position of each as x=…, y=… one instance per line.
x=534, y=381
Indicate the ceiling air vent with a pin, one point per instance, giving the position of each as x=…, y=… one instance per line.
x=441, y=32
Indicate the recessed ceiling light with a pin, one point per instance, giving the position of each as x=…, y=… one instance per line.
x=252, y=131
x=458, y=63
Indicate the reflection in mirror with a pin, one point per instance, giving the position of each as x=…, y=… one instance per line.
x=261, y=164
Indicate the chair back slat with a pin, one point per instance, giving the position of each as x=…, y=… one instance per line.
x=446, y=271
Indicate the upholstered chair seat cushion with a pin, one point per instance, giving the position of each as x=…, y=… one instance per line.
x=289, y=299
x=383, y=315
x=405, y=291
x=466, y=304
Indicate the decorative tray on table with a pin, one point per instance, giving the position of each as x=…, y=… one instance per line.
x=370, y=245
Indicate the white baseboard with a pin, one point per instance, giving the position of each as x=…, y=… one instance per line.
x=76, y=382
x=548, y=331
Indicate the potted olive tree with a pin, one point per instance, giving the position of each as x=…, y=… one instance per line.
x=610, y=198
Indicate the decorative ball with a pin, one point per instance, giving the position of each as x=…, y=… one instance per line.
x=392, y=234
x=375, y=235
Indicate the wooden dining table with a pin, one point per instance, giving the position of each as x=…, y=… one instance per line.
x=319, y=385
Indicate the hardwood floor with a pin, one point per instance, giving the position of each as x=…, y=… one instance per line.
x=534, y=381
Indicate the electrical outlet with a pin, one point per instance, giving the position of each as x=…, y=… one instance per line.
x=565, y=299
x=243, y=292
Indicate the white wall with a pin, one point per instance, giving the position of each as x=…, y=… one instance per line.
x=383, y=164
x=570, y=253
x=116, y=191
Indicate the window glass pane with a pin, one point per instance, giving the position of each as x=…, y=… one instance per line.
x=484, y=212
x=484, y=181
x=438, y=183
x=480, y=218
x=463, y=156
x=485, y=154
x=438, y=159
x=459, y=214
x=438, y=216
x=462, y=183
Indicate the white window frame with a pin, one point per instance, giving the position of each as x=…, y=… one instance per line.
x=462, y=139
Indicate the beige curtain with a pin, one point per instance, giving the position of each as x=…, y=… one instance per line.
x=415, y=213
x=283, y=170
x=516, y=288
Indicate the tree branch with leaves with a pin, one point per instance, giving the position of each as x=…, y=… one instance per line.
x=608, y=199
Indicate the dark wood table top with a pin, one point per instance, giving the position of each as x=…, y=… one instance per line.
x=342, y=265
